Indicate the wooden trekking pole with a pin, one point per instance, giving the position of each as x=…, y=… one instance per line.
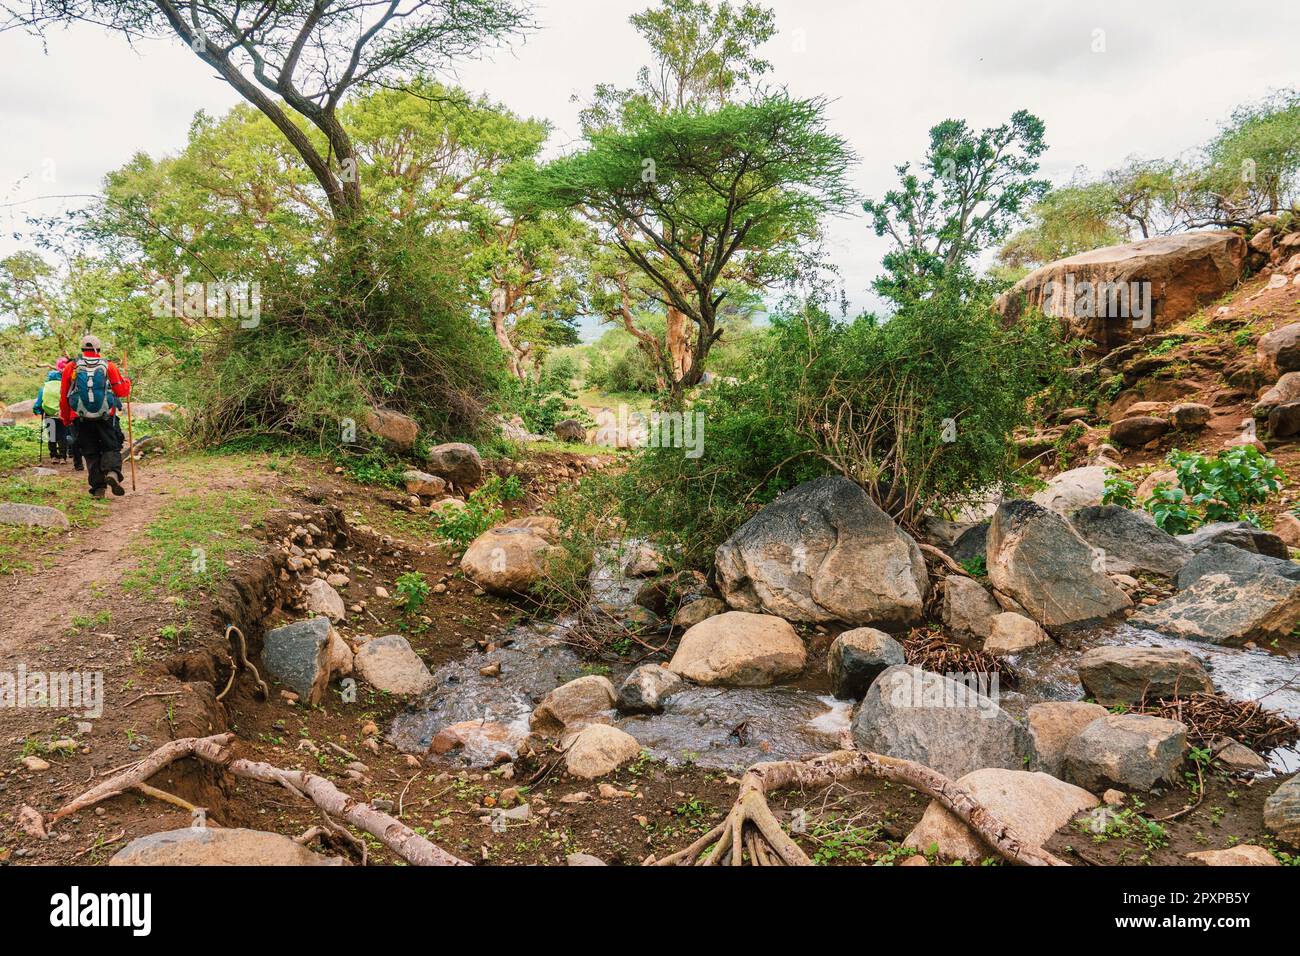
x=130, y=430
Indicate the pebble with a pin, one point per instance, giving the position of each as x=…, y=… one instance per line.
x=36, y=764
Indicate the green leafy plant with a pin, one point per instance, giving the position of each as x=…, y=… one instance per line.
x=481, y=511
x=1225, y=487
x=412, y=591
x=1119, y=492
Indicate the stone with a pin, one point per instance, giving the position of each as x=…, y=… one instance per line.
x=1238, y=758
x=1157, y=409
x=424, y=484
x=1011, y=633
x=1247, y=854
x=571, y=430
x=1286, y=389
x=1282, y=812
x=934, y=720
x=644, y=562
x=1035, y=805
x=573, y=704
x=646, y=688
x=1126, y=675
x=33, y=516
x=1185, y=272
x=394, y=427
x=1073, y=489
x=1129, y=751
x=511, y=558
x=1042, y=563
x=1053, y=724
x=1190, y=415
x=480, y=741
x=299, y=655
x=1287, y=527
x=857, y=658
x=1221, y=609
x=739, y=649
x=1130, y=539
x=583, y=859
x=218, y=846
x=597, y=750
x=824, y=551
x=967, y=609
x=971, y=543
x=1284, y=420
x=1137, y=431
x=1237, y=563
x=688, y=615
x=1240, y=534
x=458, y=463
x=320, y=598
x=35, y=764
x=1279, y=350
x=389, y=664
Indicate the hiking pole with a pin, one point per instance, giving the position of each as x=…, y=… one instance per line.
x=130, y=431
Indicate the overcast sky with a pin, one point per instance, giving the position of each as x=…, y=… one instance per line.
x=1168, y=72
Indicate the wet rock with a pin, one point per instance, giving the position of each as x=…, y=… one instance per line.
x=932, y=719
x=1235, y=562
x=389, y=664
x=646, y=688
x=482, y=742
x=857, y=658
x=1124, y=675
x=213, y=846
x=1137, y=431
x=299, y=655
x=1053, y=724
x=1131, y=540
x=1222, y=609
x=645, y=561
x=1282, y=812
x=598, y=749
x=1130, y=751
x=1035, y=805
x=394, y=427
x=511, y=558
x=1238, y=758
x=1037, y=559
x=1011, y=633
x=320, y=598
x=968, y=609
x=824, y=551
x=1247, y=854
x=573, y=704
x=1240, y=534
x=33, y=516
x=458, y=463
x=422, y=483
x=696, y=611
x=1073, y=489
x=739, y=649
x=1190, y=415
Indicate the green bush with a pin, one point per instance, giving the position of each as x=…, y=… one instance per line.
x=1226, y=487
x=482, y=511
x=1117, y=491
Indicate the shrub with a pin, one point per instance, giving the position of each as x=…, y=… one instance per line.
x=1117, y=491
x=1225, y=487
x=482, y=511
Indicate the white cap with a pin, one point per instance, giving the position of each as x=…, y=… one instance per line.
x=89, y=343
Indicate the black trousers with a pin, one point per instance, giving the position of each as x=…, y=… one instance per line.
x=99, y=441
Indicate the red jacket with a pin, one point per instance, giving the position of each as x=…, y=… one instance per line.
x=120, y=384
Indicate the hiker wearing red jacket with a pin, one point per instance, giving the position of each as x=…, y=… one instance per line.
x=89, y=398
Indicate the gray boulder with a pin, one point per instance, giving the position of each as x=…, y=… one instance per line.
x=1038, y=560
x=1222, y=609
x=1284, y=420
x=1125, y=675
x=646, y=688
x=1241, y=534
x=300, y=655
x=932, y=719
x=1128, y=751
x=458, y=463
x=1236, y=563
x=571, y=430
x=1053, y=724
x=389, y=664
x=971, y=543
x=1138, y=430
x=968, y=609
x=33, y=516
x=213, y=846
x=1131, y=540
x=824, y=551
x=857, y=658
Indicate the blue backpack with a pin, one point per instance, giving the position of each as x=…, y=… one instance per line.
x=91, y=394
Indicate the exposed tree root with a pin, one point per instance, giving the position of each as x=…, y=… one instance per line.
x=331, y=801
x=751, y=833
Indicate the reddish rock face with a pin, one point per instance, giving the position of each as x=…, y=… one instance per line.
x=1121, y=293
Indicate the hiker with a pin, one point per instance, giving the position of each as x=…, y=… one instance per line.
x=91, y=393
x=47, y=406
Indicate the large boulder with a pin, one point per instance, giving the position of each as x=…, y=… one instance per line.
x=512, y=557
x=824, y=551
x=393, y=427
x=1223, y=609
x=218, y=846
x=1137, y=431
x=1287, y=389
x=1012, y=633
x=1190, y=415
x=33, y=516
x=857, y=658
x=646, y=688
x=739, y=649
x=1284, y=420
x=1037, y=559
x=1282, y=812
x=571, y=430
x=1035, y=805
x=304, y=655
x=1239, y=534
x=1053, y=724
x=968, y=609
x=424, y=484
x=1125, y=675
x=573, y=704
x=1131, y=539
x=598, y=749
x=1184, y=272
x=1279, y=350
x=458, y=463
x=1073, y=489
x=930, y=718
x=1129, y=751
x=389, y=664
x=1236, y=563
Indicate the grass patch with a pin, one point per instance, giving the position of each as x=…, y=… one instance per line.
x=19, y=446
x=20, y=547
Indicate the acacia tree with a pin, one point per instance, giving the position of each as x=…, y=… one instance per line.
x=302, y=58
x=972, y=188
x=694, y=200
